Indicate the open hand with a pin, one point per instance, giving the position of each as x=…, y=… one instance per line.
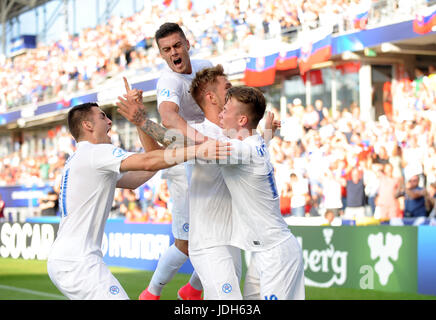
x=213, y=150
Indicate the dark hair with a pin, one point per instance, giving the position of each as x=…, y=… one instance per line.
x=76, y=115
x=167, y=29
x=202, y=80
x=252, y=99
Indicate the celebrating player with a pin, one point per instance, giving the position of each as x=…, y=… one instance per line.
x=91, y=174
x=177, y=109
x=276, y=259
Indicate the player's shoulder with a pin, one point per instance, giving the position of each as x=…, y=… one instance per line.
x=105, y=149
x=200, y=64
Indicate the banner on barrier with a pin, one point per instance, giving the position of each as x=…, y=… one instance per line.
x=137, y=246
x=374, y=257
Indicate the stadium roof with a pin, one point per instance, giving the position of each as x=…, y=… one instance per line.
x=10, y=9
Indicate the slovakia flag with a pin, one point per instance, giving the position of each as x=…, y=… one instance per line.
x=424, y=24
x=288, y=60
x=361, y=20
x=260, y=71
x=312, y=53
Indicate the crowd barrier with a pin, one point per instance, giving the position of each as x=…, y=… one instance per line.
x=383, y=257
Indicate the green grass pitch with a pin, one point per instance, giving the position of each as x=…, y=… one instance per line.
x=28, y=280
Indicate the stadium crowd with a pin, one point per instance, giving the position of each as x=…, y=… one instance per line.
x=85, y=61
x=324, y=161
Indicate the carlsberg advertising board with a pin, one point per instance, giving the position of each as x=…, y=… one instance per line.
x=373, y=257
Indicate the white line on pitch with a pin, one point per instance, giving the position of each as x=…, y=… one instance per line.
x=37, y=293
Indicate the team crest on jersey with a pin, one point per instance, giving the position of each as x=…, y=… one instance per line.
x=114, y=290
x=227, y=288
x=164, y=93
x=118, y=152
x=186, y=227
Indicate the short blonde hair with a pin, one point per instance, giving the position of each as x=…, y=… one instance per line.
x=203, y=79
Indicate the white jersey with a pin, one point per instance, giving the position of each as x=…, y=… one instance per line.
x=175, y=87
x=87, y=192
x=257, y=222
x=209, y=200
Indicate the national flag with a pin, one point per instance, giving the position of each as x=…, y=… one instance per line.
x=287, y=60
x=260, y=71
x=167, y=3
x=316, y=52
x=315, y=77
x=361, y=20
x=424, y=23
x=348, y=67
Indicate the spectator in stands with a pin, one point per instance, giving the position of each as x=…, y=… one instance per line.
x=331, y=190
x=2, y=208
x=146, y=198
x=162, y=196
x=432, y=200
x=329, y=216
x=310, y=118
x=414, y=199
x=371, y=178
x=322, y=112
x=285, y=199
x=355, y=187
x=387, y=205
x=300, y=195
x=49, y=204
x=381, y=156
x=118, y=209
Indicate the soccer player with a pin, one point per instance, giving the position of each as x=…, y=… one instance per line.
x=209, y=199
x=216, y=262
x=177, y=109
x=258, y=226
x=91, y=174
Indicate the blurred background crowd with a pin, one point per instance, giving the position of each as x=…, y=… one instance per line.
x=85, y=61
x=326, y=163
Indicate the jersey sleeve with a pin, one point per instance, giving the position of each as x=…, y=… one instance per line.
x=107, y=158
x=168, y=89
x=241, y=153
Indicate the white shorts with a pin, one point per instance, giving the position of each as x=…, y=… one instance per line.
x=219, y=269
x=282, y=273
x=179, y=194
x=85, y=280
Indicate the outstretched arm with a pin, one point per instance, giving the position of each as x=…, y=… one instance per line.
x=162, y=159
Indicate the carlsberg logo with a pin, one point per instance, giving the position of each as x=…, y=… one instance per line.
x=384, y=252
x=332, y=263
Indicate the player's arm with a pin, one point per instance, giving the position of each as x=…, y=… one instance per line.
x=135, y=112
x=169, y=112
x=162, y=159
x=134, y=179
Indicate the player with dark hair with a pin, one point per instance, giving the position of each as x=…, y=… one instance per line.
x=90, y=176
x=177, y=109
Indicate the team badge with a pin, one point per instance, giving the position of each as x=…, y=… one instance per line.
x=114, y=290
x=118, y=152
x=186, y=227
x=164, y=93
x=227, y=288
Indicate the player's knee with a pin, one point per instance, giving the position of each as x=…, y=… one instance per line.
x=182, y=245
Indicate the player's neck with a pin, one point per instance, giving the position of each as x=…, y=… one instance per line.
x=243, y=133
x=212, y=116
